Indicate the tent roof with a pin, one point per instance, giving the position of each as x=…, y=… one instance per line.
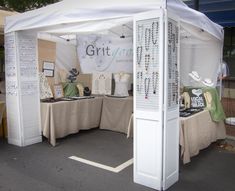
x=68, y=12
x=193, y=17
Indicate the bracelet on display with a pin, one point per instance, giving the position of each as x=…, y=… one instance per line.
x=139, y=81
x=147, y=61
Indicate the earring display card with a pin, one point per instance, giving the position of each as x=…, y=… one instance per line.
x=147, y=64
x=173, y=73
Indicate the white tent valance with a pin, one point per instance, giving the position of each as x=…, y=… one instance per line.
x=68, y=13
x=73, y=11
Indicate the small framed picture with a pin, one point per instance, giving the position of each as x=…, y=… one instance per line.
x=58, y=91
x=48, y=65
x=48, y=68
x=48, y=73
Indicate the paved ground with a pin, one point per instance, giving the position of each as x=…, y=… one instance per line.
x=41, y=167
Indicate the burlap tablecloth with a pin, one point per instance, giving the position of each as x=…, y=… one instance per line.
x=60, y=119
x=116, y=114
x=198, y=132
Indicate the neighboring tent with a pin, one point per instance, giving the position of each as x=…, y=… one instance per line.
x=3, y=15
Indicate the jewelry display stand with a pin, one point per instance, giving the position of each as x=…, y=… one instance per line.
x=156, y=120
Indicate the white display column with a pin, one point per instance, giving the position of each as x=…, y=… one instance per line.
x=156, y=114
x=22, y=89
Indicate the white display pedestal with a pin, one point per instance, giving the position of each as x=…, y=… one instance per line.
x=156, y=120
x=22, y=89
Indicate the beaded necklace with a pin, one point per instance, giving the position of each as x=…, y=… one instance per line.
x=140, y=30
x=147, y=38
x=155, y=81
x=154, y=32
x=146, y=87
x=139, y=54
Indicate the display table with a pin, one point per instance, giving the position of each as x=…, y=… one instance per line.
x=62, y=118
x=198, y=132
x=116, y=114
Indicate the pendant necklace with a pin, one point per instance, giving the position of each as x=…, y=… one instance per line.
x=146, y=87
x=147, y=61
x=140, y=33
x=147, y=38
x=154, y=32
x=139, y=54
x=155, y=81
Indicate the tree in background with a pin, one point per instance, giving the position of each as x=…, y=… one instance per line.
x=25, y=5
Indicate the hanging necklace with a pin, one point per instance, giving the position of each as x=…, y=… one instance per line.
x=147, y=38
x=140, y=33
x=155, y=81
x=173, y=42
x=169, y=31
x=154, y=32
x=147, y=61
x=176, y=34
x=146, y=87
x=139, y=81
x=139, y=54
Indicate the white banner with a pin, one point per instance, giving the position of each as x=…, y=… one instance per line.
x=105, y=53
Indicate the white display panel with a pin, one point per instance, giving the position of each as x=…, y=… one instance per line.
x=147, y=68
x=12, y=90
x=22, y=86
x=148, y=98
x=173, y=73
x=156, y=119
x=10, y=56
x=171, y=108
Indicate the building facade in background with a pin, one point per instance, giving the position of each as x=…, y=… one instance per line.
x=221, y=12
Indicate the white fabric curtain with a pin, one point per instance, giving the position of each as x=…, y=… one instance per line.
x=201, y=52
x=66, y=59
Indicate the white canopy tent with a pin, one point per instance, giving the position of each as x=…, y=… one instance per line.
x=201, y=43
x=201, y=39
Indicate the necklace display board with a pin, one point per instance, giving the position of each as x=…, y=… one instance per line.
x=155, y=131
x=22, y=89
